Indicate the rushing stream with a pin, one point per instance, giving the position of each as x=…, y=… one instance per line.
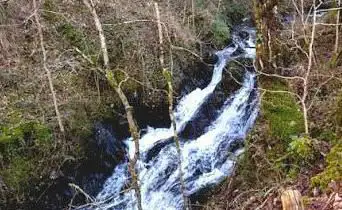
x=207, y=159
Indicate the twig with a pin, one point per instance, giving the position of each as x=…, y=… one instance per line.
x=77, y=188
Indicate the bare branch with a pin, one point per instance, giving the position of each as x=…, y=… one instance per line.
x=47, y=70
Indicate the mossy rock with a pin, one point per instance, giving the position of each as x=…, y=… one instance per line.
x=333, y=171
x=281, y=111
x=277, y=135
x=22, y=147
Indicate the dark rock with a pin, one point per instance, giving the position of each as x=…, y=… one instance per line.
x=210, y=58
x=103, y=152
x=243, y=34
x=106, y=142
x=197, y=76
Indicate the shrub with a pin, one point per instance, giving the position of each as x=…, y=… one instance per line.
x=220, y=30
x=300, y=148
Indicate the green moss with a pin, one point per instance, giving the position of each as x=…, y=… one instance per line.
x=276, y=149
x=281, y=111
x=235, y=11
x=16, y=137
x=14, y=132
x=17, y=174
x=333, y=171
x=24, y=145
x=10, y=133
x=200, y=3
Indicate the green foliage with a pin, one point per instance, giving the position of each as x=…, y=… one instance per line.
x=275, y=152
x=328, y=136
x=220, y=30
x=235, y=11
x=300, y=148
x=333, y=171
x=200, y=3
x=17, y=132
x=17, y=174
x=282, y=112
x=76, y=37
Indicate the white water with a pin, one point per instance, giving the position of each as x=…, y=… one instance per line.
x=206, y=160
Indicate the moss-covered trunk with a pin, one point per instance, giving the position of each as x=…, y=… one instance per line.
x=267, y=30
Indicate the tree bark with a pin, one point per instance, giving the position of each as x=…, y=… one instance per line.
x=133, y=127
x=267, y=28
x=292, y=200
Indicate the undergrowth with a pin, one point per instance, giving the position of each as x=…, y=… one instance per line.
x=333, y=170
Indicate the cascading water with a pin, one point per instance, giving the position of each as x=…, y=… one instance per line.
x=206, y=160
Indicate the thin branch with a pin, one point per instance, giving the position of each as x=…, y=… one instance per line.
x=77, y=188
x=47, y=70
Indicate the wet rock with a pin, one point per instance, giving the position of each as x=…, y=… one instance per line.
x=210, y=58
x=243, y=34
x=197, y=76
x=103, y=152
x=106, y=142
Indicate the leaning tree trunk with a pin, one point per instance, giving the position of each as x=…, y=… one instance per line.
x=133, y=127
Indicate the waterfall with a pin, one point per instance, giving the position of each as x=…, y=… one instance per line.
x=206, y=160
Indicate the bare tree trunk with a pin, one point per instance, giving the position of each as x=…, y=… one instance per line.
x=133, y=127
x=308, y=71
x=47, y=70
x=337, y=27
x=193, y=14
x=168, y=76
x=292, y=200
